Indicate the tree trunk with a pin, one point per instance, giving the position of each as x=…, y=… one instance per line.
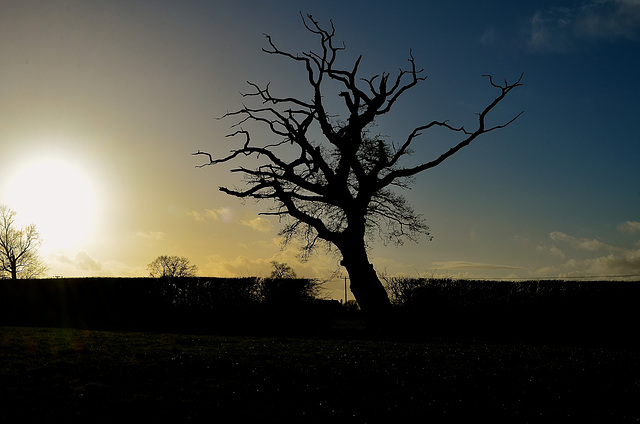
x=366, y=286
x=14, y=268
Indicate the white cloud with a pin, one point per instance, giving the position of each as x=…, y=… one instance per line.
x=579, y=243
x=550, y=250
x=196, y=215
x=547, y=271
x=251, y=265
x=630, y=227
x=86, y=262
x=80, y=264
x=548, y=30
x=240, y=266
x=623, y=264
x=627, y=263
x=609, y=19
x=258, y=224
x=151, y=235
x=227, y=215
x=588, y=259
x=558, y=29
x=474, y=265
x=84, y=265
x=556, y=252
x=222, y=214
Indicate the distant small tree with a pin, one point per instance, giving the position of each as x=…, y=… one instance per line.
x=171, y=266
x=18, y=248
x=351, y=305
x=284, y=287
x=282, y=270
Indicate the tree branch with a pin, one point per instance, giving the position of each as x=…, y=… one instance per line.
x=407, y=172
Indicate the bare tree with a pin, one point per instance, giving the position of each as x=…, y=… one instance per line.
x=18, y=248
x=284, y=287
x=331, y=180
x=171, y=266
x=281, y=270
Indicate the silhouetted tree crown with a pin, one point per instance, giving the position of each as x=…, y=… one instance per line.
x=18, y=248
x=282, y=270
x=171, y=266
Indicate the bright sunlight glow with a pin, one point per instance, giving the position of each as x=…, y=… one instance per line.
x=58, y=196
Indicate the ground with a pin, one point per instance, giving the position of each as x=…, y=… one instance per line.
x=348, y=376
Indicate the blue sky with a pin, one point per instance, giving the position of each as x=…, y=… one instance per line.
x=120, y=93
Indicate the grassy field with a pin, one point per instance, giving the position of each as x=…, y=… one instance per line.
x=99, y=376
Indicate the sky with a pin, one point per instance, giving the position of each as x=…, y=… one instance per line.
x=103, y=103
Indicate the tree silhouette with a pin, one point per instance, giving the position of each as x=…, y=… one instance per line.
x=331, y=180
x=284, y=288
x=18, y=247
x=282, y=270
x=171, y=266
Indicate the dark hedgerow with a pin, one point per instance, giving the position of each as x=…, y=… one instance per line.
x=549, y=309
x=164, y=304
x=541, y=310
x=288, y=291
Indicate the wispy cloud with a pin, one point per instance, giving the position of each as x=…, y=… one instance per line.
x=151, y=235
x=257, y=265
x=591, y=257
x=552, y=250
x=474, y=265
x=609, y=19
x=227, y=215
x=579, y=243
x=620, y=264
x=549, y=31
x=223, y=214
x=259, y=224
x=629, y=227
x=81, y=261
x=559, y=29
x=627, y=263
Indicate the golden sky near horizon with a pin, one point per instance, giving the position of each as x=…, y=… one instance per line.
x=102, y=104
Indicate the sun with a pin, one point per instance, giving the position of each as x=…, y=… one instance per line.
x=59, y=197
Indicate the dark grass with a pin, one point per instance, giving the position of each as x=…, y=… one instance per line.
x=347, y=376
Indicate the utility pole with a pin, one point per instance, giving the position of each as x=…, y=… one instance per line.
x=345, y=290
